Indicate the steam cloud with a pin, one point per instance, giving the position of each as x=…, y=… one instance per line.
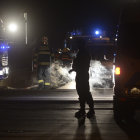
x=100, y=76
x=60, y=75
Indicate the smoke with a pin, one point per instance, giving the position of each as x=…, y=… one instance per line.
x=100, y=76
x=60, y=75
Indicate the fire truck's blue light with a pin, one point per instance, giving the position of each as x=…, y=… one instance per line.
x=97, y=32
x=4, y=47
x=75, y=33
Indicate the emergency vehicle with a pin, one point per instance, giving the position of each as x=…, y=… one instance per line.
x=4, y=68
x=4, y=47
x=127, y=65
x=101, y=48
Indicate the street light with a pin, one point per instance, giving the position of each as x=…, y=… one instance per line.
x=12, y=27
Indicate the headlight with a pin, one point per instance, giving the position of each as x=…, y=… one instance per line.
x=6, y=70
x=4, y=61
x=1, y=72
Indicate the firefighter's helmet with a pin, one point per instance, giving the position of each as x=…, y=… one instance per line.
x=59, y=50
x=45, y=39
x=66, y=50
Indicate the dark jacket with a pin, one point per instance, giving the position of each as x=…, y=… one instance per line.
x=42, y=55
x=81, y=63
x=66, y=56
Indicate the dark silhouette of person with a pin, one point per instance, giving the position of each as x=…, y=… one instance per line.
x=81, y=66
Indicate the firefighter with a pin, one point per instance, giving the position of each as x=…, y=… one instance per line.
x=65, y=57
x=81, y=66
x=42, y=61
x=57, y=55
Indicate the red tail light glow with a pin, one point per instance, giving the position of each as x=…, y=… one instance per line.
x=117, y=71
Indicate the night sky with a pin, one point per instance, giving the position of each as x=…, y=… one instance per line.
x=57, y=17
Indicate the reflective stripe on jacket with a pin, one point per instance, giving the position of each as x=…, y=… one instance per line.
x=66, y=56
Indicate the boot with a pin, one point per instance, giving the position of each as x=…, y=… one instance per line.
x=90, y=113
x=80, y=113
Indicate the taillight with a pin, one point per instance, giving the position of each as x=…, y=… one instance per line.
x=117, y=71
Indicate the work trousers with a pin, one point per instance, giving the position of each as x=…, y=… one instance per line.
x=43, y=74
x=83, y=89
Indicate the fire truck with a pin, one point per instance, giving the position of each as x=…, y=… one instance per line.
x=4, y=47
x=4, y=67
x=100, y=45
x=102, y=49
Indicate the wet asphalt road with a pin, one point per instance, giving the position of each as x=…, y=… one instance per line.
x=54, y=120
